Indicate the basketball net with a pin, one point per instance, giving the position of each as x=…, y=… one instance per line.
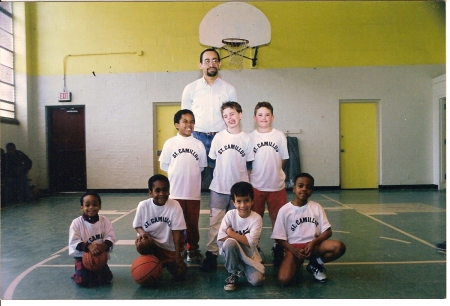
x=236, y=49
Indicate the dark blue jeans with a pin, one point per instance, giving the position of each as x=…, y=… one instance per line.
x=206, y=139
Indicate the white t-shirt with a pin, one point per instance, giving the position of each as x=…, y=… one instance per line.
x=250, y=227
x=83, y=231
x=231, y=152
x=160, y=221
x=300, y=224
x=184, y=158
x=269, y=149
x=205, y=102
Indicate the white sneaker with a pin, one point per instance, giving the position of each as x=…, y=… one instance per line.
x=317, y=270
x=231, y=281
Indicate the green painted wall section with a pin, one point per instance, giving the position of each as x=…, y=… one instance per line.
x=304, y=34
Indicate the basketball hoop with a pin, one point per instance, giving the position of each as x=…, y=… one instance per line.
x=236, y=48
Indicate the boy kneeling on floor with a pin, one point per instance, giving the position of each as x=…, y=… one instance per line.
x=238, y=238
x=303, y=230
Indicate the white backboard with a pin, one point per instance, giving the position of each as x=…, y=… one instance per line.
x=235, y=20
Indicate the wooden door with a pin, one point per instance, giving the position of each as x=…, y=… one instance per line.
x=66, y=148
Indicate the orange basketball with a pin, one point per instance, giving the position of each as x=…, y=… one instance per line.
x=146, y=270
x=145, y=246
x=94, y=262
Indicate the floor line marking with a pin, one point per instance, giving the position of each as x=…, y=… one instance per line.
x=398, y=240
x=344, y=232
x=111, y=212
x=125, y=242
x=12, y=287
x=10, y=290
x=388, y=225
x=401, y=231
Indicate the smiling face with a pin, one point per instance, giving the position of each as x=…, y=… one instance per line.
x=302, y=189
x=160, y=192
x=186, y=125
x=231, y=117
x=263, y=118
x=243, y=205
x=91, y=206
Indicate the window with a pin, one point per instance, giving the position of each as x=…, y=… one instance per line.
x=7, y=88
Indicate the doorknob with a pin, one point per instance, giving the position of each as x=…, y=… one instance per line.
x=342, y=150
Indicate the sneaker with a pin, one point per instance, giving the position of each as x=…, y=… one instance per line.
x=441, y=246
x=231, y=281
x=317, y=270
x=194, y=256
x=278, y=255
x=210, y=262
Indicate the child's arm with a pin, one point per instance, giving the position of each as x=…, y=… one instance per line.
x=109, y=237
x=242, y=239
x=165, y=156
x=178, y=241
x=311, y=246
x=179, y=260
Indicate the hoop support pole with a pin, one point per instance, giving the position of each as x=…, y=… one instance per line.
x=254, y=59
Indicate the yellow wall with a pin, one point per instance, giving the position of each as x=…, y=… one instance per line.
x=304, y=34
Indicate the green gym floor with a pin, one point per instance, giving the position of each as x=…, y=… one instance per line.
x=389, y=234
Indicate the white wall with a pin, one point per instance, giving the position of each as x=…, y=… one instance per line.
x=119, y=119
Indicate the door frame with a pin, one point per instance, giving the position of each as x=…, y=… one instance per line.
x=439, y=134
x=48, y=132
x=155, y=105
x=442, y=143
x=377, y=138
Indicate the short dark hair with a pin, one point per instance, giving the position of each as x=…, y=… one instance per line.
x=263, y=104
x=242, y=189
x=231, y=104
x=209, y=50
x=92, y=193
x=180, y=113
x=157, y=177
x=303, y=174
x=10, y=146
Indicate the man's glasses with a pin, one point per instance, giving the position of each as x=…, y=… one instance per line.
x=214, y=61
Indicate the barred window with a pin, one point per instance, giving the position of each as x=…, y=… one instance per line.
x=7, y=88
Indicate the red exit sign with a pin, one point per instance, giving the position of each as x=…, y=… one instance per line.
x=65, y=97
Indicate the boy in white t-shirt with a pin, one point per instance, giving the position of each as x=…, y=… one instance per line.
x=303, y=230
x=238, y=238
x=160, y=220
x=267, y=176
x=183, y=157
x=232, y=150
